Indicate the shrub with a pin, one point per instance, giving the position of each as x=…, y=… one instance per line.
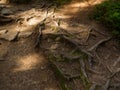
x=109, y=14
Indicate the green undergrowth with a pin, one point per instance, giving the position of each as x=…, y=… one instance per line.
x=108, y=13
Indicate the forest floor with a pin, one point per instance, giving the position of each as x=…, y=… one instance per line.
x=43, y=47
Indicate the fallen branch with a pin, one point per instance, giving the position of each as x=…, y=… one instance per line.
x=94, y=47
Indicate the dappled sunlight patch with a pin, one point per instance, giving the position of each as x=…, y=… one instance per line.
x=94, y=2
x=81, y=4
x=3, y=1
x=34, y=21
x=28, y=62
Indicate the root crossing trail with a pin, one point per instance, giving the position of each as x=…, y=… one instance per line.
x=43, y=47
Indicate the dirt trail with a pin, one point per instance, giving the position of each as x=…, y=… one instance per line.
x=23, y=67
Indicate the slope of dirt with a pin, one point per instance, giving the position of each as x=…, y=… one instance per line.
x=44, y=45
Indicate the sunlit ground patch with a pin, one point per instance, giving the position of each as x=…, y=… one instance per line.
x=28, y=62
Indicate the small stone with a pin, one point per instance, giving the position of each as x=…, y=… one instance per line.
x=3, y=32
x=54, y=46
x=24, y=34
x=42, y=67
x=34, y=20
x=57, y=39
x=11, y=35
x=49, y=40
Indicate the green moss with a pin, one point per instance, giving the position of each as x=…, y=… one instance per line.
x=108, y=13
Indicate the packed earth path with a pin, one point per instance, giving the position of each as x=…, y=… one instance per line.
x=45, y=47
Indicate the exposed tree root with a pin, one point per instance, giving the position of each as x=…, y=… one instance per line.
x=93, y=71
x=107, y=85
x=69, y=56
x=39, y=38
x=77, y=45
x=99, y=32
x=94, y=47
x=82, y=64
x=88, y=34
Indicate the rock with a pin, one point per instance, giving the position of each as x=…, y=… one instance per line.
x=24, y=34
x=42, y=67
x=3, y=32
x=57, y=39
x=54, y=46
x=6, y=11
x=11, y=35
x=34, y=20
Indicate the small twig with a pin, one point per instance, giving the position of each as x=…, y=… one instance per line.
x=93, y=71
x=99, y=43
x=117, y=71
x=93, y=87
x=116, y=62
x=100, y=62
x=109, y=79
x=106, y=86
x=88, y=34
x=99, y=32
x=74, y=81
x=82, y=64
x=38, y=38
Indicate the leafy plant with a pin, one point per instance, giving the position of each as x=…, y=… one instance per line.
x=109, y=14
